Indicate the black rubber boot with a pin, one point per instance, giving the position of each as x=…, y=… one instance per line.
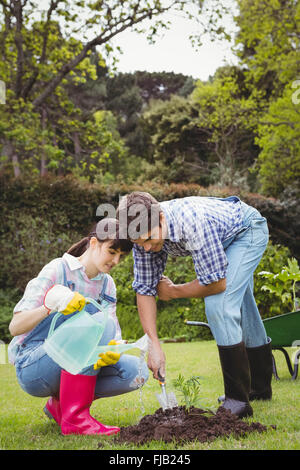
x=236, y=375
x=261, y=370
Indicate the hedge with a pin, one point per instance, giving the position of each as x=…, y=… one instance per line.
x=50, y=197
x=42, y=217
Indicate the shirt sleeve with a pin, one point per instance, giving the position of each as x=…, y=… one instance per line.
x=36, y=289
x=111, y=291
x=148, y=269
x=207, y=252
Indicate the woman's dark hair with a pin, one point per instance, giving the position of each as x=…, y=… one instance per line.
x=105, y=230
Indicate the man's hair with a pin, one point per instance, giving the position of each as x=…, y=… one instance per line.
x=138, y=213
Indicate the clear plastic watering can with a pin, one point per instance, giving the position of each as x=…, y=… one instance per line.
x=74, y=345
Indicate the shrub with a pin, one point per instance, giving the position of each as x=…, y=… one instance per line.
x=41, y=218
x=171, y=315
x=30, y=243
x=274, y=258
x=8, y=299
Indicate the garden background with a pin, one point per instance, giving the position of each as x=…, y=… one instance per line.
x=74, y=133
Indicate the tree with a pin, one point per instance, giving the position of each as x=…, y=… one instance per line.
x=228, y=119
x=279, y=139
x=176, y=140
x=268, y=43
x=162, y=85
x=40, y=51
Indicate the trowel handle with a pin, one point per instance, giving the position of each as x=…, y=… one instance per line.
x=160, y=378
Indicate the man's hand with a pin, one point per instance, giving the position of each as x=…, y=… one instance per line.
x=165, y=289
x=156, y=359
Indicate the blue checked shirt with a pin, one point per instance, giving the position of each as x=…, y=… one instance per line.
x=197, y=226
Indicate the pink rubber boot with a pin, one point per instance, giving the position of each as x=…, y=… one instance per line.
x=52, y=409
x=76, y=396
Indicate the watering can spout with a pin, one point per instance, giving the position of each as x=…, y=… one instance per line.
x=141, y=344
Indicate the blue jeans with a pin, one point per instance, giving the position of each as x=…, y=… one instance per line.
x=39, y=375
x=233, y=315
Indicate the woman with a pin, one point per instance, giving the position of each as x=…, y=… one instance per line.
x=62, y=285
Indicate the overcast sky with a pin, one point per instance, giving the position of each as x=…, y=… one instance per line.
x=174, y=53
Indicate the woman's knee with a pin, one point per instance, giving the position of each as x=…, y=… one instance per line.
x=134, y=371
x=140, y=374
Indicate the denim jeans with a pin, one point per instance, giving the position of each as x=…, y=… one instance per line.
x=39, y=375
x=233, y=315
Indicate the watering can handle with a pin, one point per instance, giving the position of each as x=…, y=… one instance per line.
x=55, y=318
x=53, y=323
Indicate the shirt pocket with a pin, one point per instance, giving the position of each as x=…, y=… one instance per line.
x=260, y=231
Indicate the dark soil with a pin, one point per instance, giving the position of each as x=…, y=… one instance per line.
x=180, y=425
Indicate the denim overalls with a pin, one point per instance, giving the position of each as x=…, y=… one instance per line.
x=233, y=315
x=39, y=375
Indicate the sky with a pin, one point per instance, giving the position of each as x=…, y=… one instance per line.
x=174, y=52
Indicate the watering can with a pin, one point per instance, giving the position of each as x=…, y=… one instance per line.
x=74, y=345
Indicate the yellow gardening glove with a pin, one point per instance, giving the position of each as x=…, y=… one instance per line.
x=61, y=299
x=108, y=358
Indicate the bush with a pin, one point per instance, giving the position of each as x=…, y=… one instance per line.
x=8, y=300
x=171, y=315
x=30, y=243
x=41, y=218
x=48, y=198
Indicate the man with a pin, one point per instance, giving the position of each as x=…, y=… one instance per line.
x=226, y=239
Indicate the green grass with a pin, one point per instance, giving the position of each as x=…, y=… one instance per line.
x=24, y=425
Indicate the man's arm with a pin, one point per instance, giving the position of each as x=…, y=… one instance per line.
x=166, y=290
x=147, y=311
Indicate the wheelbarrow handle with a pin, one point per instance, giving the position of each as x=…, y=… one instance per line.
x=196, y=323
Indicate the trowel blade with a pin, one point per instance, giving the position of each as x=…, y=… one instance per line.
x=167, y=400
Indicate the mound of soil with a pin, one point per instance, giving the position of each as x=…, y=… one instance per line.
x=181, y=425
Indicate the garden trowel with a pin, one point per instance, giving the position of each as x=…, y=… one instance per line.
x=166, y=400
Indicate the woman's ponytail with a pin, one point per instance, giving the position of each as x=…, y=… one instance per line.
x=106, y=229
x=80, y=247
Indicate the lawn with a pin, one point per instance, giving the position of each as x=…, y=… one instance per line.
x=24, y=425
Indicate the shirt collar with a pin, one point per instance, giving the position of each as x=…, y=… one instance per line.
x=173, y=228
x=74, y=264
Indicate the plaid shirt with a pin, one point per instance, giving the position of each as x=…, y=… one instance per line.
x=197, y=226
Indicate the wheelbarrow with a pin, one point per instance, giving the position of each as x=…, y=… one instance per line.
x=284, y=330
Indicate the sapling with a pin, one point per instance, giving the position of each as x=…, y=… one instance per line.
x=189, y=389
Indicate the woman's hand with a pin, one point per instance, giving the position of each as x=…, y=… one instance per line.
x=61, y=299
x=109, y=358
